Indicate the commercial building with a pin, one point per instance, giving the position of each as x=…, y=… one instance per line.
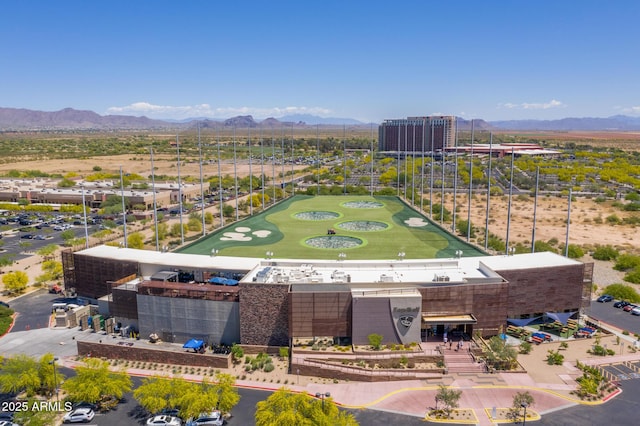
x=93, y=194
x=273, y=301
x=417, y=134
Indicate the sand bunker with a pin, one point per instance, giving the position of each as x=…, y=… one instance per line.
x=234, y=236
x=262, y=233
x=242, y=229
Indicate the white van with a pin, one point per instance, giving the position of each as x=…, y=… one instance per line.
x=59, y=306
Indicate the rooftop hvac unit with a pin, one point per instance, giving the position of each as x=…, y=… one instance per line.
x=384, y=278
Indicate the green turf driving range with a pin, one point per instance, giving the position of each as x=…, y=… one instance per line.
x=308, y=227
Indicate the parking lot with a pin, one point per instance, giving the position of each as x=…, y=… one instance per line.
x=22, y=235
x=617, y=317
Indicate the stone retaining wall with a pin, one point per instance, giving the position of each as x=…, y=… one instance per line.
x=139, y=353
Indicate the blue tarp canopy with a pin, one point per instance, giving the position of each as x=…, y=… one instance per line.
x=193, y=344
x=560, y=316
x=223, y=281
x=521, y=322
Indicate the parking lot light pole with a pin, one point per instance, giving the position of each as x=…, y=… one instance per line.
x=524, y=419
x=55, y=378
x=322, y=396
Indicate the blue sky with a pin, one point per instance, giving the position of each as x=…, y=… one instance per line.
x=368, y=60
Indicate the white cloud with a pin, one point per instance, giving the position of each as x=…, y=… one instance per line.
x=630, y=110
x=205, y=110
x=528, y=105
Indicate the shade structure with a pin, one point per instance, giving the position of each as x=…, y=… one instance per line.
x=560, y=316
x=193, y=344
x=222, y=281
x=521, y=322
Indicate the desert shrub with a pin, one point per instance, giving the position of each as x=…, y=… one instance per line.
x=622, y=292
x=575, y=251
x=633, y=276
x=268, y=367
x=525, y=347
x=626, y=262
x=554, y=358
x=605, y=253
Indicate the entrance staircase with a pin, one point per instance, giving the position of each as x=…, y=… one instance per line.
x=461, y=362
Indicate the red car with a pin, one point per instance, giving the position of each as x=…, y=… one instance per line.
x=628, y=308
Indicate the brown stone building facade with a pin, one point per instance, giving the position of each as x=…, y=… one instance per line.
x=404, y=301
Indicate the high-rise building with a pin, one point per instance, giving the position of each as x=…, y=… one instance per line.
x=417, y=134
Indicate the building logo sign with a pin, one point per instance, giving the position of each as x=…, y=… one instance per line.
x=406, y=320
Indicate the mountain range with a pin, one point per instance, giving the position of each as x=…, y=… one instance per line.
x=17, y=119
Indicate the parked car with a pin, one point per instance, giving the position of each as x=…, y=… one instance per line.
x=621, y=304
x=213, y=418
x=635, y=311
x=94, y=407
x=79, y=415
x=163, y=420
x=8, y=423
x=629, y=307
x=5, y=304
x=173, y=412
x=605, y=298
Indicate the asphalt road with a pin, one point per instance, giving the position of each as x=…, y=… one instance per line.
x=621, y=410
x=615, y=316
x=34, y=310
x=129, y=412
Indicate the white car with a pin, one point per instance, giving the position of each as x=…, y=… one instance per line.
x=163, y=420
x=8, y=423
x=79, y=415
x=635, y=311
x=213, y=418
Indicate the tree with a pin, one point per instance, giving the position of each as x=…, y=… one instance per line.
x=94, y=383
x=156, y=393
x=449, y=399
x=520, y=400
x=66, y=183
x=67, y=236
x=285, y=408
x=500, y=355
x=21, y=373
x=162, y=230
x=135, y=240
x=208, y=218
x=194, y=224
x=237, y=352
x=192, y=399
x=15, y=282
